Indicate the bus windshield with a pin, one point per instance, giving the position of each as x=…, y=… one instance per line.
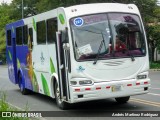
x=108, y=35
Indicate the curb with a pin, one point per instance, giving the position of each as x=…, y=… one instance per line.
x=154, y=69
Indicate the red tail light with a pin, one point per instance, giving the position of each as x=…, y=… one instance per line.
x=108, y=87
x=98, y=88
x=87, y=88
x=145, y=82
x=77, y=90
x=129, y=84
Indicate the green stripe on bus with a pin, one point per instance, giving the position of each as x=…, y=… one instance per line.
x=52, y=66
x=61, y=18
x=35, y=83
x=10, y=56
x=18, y=63
x=45, y=85
x=34, y=24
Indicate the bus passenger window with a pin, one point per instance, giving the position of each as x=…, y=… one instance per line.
x=41, y=32
x=9, y=37
x=19, y=36
x=30, y=42
x=25, y=35
x=51, y=30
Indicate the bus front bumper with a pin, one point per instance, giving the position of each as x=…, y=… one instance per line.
x=104, y=90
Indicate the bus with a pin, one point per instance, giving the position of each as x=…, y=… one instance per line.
x=72, y=54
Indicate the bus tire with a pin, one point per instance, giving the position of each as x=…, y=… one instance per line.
x=23, y=90
x=61, y=104
x=122, y=99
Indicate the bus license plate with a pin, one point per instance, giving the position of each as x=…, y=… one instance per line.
x=116, y=88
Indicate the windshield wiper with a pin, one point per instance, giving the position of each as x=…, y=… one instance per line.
x=132, y=56
x=99, y=50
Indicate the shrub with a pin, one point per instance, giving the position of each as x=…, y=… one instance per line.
x=155, y=65
x=4, y=106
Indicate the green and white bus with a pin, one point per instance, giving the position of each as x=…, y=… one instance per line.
x=71, y=53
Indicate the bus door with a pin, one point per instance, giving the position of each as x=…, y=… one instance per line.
x=63, y=64
x=15, y=80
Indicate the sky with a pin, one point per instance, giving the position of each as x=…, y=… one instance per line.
x=7, y=1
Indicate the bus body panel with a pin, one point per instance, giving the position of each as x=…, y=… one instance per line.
x=104, y=90
x=111, y=70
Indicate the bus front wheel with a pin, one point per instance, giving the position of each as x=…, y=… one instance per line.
x=122, y=99
x=23, y=90
x=61, y=104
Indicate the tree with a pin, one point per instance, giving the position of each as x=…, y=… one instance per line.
x=5, y=11
x=153, y=38
x=29, y=8
x=45, y=5
x=5, y=18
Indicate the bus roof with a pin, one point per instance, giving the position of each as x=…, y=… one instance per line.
x=84, y=9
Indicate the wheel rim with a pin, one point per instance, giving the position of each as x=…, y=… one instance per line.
x=20, y=84
x=58, y=95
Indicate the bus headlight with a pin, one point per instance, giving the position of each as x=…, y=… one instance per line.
x=73, y=82
x=141, y=76
x=85, y=82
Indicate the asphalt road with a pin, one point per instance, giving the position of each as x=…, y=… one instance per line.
x=37, y=102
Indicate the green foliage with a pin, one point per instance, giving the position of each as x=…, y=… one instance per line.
x=153, y=38
x=5, y=18
x=29, y=8
x=2, y=46
x=2, y=41
x=155, y=65
x=147, y=8
x=4, y=106
x=5, y=12
x=45, y=5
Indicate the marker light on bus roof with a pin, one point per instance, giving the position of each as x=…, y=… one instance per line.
x=130, y=7
x=73, y=10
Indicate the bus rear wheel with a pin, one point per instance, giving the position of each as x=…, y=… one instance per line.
x=61, y=104
x=122, y=99
x=23, y=90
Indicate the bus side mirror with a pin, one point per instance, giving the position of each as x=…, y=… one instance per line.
x=64, y=36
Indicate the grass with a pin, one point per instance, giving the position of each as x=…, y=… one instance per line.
x=4, y=106
x=2, y=58
x=155, y=65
